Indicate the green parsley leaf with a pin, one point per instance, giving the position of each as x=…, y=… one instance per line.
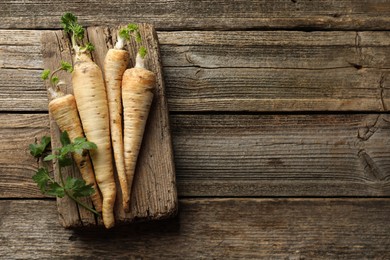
x=65, y=160
x=89, y=47
x=82, y=143
x=64, y=138
x=67, y=21
x=138, y=37
x=50, y=157
x=132, y=27
x=83, y=191
x=70, y=25
x=78, y=187
x=124, y=34
x=45, y=74
x=142, y=52
x=78, y=31
x=55, y=80
x=37, y=150
x=54, y=189
x=66, y=66
x=41, y=178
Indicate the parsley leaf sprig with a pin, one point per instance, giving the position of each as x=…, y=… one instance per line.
x=74, y=188
x=70, y=24
x=37, y=150
x=126, y=33
x=54, y=80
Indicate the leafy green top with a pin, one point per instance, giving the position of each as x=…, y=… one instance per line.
x=126, y=33
x=142, y=52
x=72, y=187
x=70, y=24
x=54, y=80
x=63, y=153
x=37, y=150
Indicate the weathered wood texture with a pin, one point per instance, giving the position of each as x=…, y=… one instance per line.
x=236, y=71
x=283, y=155
x=276, y=71
x=210, y=229
x=204, y=14
x=16, y=164
x=243, y=155
x=154, y=192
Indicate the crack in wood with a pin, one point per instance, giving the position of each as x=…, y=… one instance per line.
x=382, y=91
x=364, y=133
x=359, y=52
x=373, y=173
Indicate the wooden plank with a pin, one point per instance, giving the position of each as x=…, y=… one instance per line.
x=276, y=49
x=270, y=89
x=282, y=155
x=22, y=90
x=20, y=67
x=243, y=155
x=20, y=49
x=154, y=192
x=276, y=71
x=17, y=166
x=210, y=229
x=249, y=71
x=179, y=14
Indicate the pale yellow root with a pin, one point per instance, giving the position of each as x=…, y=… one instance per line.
x=115, y=64
x=137, y=96
x=64, y=112
x=91, y=99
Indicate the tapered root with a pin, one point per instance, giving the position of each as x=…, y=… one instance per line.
x=137, y=95
x=64, y=112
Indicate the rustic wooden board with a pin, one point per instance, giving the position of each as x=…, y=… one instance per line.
x=235, y=71
x=205, y=14
x=276, y=70
x=210, y=229
x=243, y=155
x=154, y=196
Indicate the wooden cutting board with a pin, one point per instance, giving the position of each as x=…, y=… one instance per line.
x=154, y=193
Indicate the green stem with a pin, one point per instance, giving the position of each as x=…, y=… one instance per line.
x=70, y=195
x=81, y=203
x=52, y=74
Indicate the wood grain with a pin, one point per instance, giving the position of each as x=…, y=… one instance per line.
x=210, y=229
x=154, y=192
x=275, y=49
x=274, y=90
x=17, y=166
x=240, y=71
x=244, y=155
x=204, y=14
x=282, y=155
x=21, y=64
x=276, y=71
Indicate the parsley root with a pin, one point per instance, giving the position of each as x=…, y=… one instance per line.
x=115, y=63
x=137, y=94
x=91, y=98
x=64, y=111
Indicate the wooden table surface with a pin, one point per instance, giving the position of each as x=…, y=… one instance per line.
x=279, y=120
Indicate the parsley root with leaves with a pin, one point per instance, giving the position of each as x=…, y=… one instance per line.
x=115, y=63
x=72, y=187
x=91, y=99
x=138, y=85
x=64, y=111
